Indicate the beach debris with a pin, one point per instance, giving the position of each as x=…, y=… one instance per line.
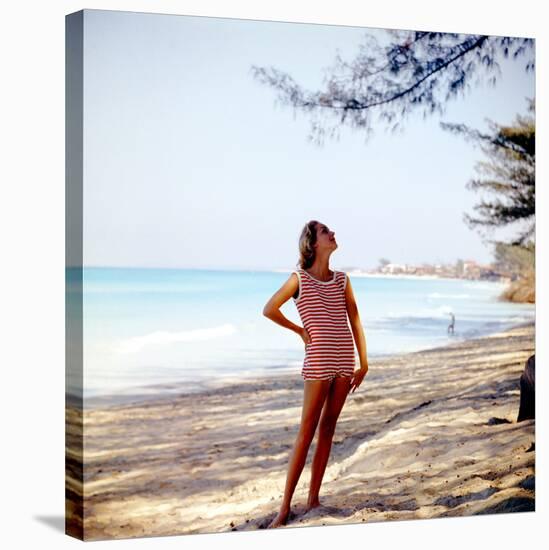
x=527, y=407
x=402, y=413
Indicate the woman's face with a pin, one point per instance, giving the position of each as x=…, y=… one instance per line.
x=325, y=239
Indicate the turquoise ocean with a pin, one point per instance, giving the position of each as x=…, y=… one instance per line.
x=152, y=331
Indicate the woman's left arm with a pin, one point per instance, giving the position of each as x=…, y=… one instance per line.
x=356, y=325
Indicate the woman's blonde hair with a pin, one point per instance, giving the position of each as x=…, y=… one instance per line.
x=307, y=240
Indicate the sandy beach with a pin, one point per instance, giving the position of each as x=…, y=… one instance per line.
x=428, y=434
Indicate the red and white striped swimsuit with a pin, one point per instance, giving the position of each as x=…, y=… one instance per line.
x=321, y=306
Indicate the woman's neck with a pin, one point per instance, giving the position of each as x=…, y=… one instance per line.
x=320, y=269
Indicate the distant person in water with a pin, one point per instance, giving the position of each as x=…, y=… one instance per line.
x=326, y=304
x=452, y=324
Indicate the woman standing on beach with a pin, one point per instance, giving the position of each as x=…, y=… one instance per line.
x=324, y=300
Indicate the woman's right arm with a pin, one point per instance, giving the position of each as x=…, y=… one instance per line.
x=282, y=295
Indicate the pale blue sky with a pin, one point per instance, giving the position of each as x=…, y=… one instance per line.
x=188, y=163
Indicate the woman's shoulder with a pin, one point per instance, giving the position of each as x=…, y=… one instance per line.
x=342, y=277
x=296, y=274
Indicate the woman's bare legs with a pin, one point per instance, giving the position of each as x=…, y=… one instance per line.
x=314, y=395
x=330, y=413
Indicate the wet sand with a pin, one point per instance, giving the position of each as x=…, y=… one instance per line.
x=428, y=434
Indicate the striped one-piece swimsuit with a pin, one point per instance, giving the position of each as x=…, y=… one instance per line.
x=321, y=306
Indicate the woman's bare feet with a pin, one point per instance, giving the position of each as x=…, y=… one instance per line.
x=315, y=503
x=280, y=519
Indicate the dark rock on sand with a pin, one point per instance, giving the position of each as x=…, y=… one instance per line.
x=494, y=420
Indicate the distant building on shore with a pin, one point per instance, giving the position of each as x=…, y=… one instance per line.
x=461, y=269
